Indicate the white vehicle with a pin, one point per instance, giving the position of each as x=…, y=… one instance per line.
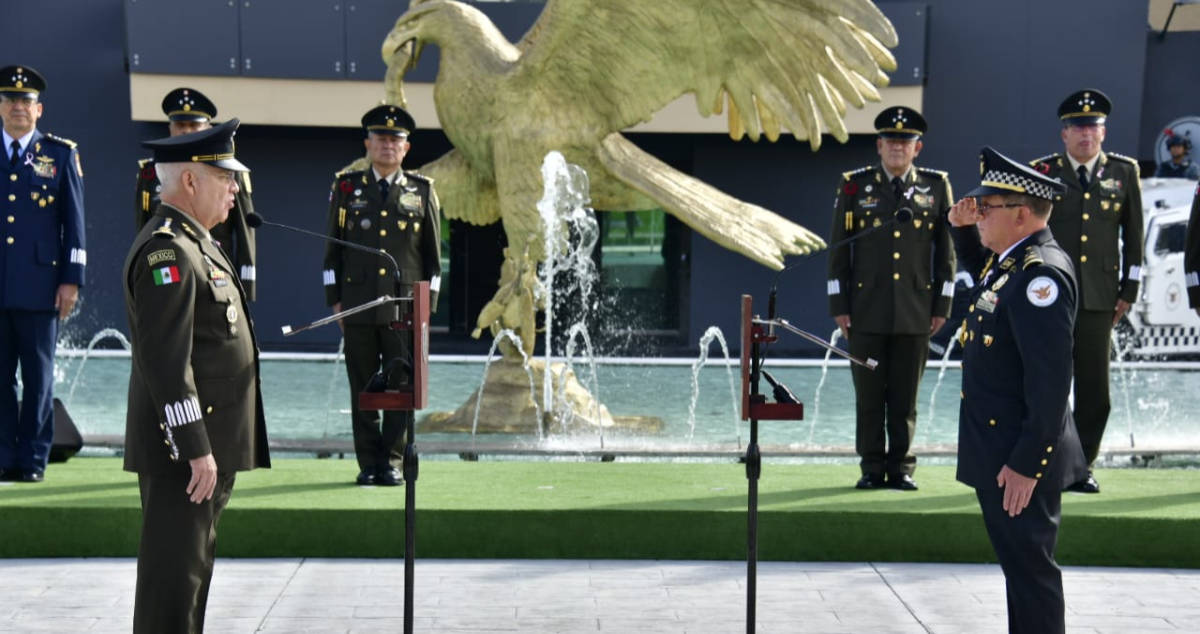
x=1161, y=324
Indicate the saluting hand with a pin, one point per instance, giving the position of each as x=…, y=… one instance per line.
x=204, y=478
x=964, y=213
x=1018, y=490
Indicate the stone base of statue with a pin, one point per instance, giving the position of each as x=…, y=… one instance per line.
x=508, y=406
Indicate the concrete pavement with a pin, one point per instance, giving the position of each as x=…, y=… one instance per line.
x=570, y=596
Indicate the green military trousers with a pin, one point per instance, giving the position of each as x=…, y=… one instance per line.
x=368, y=350
x=886, y=400
x=175, y=556
x=1093, y=345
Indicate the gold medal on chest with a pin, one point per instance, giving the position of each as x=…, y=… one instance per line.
x=999, y=282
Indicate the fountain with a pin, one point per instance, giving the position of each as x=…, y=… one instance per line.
x=705, y=342
x=106, y=333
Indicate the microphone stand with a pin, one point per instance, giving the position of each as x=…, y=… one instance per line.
x=759, y=335
x=411, y=459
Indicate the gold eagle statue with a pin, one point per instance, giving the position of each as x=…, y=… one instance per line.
x=588, y=69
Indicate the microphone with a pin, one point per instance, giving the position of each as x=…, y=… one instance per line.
x=903, y=215
x=255, y=221
x=782, y=393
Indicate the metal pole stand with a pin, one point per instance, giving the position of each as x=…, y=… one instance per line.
x=409, y=398
x=754, y=408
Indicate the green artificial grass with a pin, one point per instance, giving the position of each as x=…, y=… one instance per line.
x=89, y=507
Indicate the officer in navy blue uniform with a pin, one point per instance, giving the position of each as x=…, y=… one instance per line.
x=40, y=272
x=1017, y=444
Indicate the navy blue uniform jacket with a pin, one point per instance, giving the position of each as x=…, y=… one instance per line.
x=43, y=240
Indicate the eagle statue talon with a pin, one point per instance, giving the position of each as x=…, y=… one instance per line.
x=513, y=307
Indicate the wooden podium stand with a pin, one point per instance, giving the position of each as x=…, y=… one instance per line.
x=409, y=398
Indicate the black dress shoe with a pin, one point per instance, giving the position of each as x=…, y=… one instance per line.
x=870, y=481
x=365, y=477
x=389, y=477
x=32, y=476
x=902, y=481
x=1086, y=485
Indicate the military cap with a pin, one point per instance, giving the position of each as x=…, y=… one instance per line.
x=188, y=104
x=21, y=79
x=1085, y=107
x=899, y=122
x=1176, y=139
x=213, y=146
x=387, y=119
x=1001, y=175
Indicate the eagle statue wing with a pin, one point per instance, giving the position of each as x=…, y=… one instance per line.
x=776, y=63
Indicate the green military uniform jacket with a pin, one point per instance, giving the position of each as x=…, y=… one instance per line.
x=407, y=225
x=194, y=385
x=1191, y=253
x=894, y=280
x=1101, y=228
x=235, y=236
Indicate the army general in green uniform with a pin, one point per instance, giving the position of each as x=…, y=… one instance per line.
x=195, y=414
x=890, y=290
x=189, y=110
x=382, y=207
x=1099, y=224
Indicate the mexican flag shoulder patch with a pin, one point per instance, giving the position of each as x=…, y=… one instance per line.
x=166, y=275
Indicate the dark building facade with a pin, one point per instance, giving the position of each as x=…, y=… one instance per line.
x=992, y=73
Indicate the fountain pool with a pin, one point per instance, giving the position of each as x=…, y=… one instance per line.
x=309, y=399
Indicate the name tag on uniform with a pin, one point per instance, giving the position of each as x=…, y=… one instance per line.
x=987, y=302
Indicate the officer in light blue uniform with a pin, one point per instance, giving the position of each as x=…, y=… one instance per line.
x=41, y=268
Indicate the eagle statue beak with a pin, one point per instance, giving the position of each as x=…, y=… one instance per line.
x=400, y=52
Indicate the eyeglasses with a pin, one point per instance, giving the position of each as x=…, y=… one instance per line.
x=984, y=209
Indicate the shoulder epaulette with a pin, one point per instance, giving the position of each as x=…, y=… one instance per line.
x=142, y=163
x=346, y=172
x=57, y=139
x=1033, y=257
x=165, y=229
x=1044, y=159
x=420, y=177
x=929, y=171
x=1122, y=157
x=865, y=168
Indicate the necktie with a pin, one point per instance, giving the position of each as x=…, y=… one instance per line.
x=16, y=152
x=1083, y=176
x=897, y=187
x=383, y=187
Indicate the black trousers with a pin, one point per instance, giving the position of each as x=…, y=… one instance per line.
x=886, y=400
x=1025, y=547
x=368, y=350
x=1093, y=341
x=175, y=557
